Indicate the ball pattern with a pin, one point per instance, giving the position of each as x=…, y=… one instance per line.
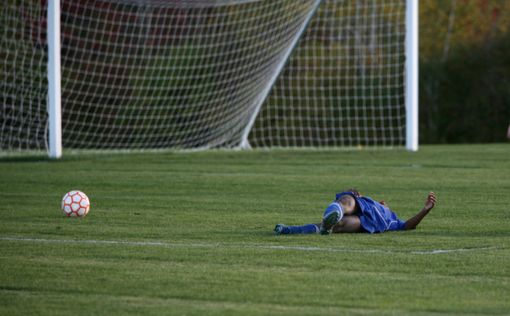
x=75, y=204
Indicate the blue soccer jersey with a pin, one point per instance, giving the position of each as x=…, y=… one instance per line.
x=375, y=217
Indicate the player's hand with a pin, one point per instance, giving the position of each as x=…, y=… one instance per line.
x=383, y=203
x=431, y=201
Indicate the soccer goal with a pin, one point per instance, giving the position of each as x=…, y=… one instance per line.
x=199, y=74
x=351, y=81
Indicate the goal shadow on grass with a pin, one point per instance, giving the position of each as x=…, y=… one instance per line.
x=22, y=159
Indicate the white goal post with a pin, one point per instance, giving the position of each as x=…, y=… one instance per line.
x=54, y=81
x=200, y=74
x=412, y=71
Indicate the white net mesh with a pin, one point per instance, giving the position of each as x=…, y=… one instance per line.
x=162, y=74
x=23, y=84
x=344, y=84
x=192, y=73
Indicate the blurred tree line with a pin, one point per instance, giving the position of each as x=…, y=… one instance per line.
x=464, y=71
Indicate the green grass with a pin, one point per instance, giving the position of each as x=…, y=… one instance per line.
x=191, y=234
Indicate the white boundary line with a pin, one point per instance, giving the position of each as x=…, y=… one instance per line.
x=233, y=245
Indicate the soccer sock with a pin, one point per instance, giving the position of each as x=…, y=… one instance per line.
x=334, y=207
x=305, y=229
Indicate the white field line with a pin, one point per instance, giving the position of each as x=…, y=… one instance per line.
x=243, y=246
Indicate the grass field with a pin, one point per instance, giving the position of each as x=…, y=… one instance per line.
x=191, y=234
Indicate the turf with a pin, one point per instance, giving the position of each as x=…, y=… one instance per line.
x=191, y=234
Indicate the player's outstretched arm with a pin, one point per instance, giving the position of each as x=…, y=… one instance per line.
x=416, y=219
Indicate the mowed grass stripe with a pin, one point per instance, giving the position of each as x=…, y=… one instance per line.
x=140, y=274
x=246, y=245
x=61, y=301
x=208, y=218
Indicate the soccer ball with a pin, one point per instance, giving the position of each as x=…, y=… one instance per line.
x=75, y=204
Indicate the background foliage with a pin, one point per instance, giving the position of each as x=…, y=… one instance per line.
x=464, y=71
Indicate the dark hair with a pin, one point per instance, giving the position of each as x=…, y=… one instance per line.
x=354, y=191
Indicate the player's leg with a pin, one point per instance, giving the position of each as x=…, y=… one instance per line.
x=348, y=224
x=281, y=229
x=348, y=204
x=332, y=215
x=331, y=220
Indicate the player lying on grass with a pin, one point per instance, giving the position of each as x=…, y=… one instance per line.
x=353, y=213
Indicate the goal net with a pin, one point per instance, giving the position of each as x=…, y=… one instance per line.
x=145, y=74
x=198, y=74
x=344, y=84
x=23, y=84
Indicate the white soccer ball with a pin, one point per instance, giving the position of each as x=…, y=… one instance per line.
x=75, y=204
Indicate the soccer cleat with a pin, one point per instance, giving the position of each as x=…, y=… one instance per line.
x=332, y=215
x=329, y=221
x=278, y=229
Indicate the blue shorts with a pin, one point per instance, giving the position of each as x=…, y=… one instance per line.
x=380, y=219
x=375, y=217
